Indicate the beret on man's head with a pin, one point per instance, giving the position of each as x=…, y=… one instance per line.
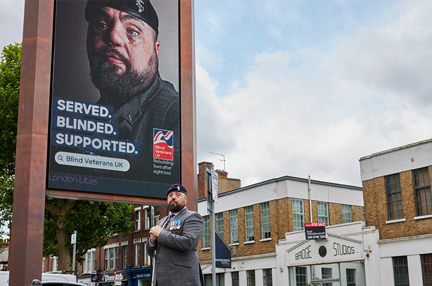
x=177, y=188
x=142, y=9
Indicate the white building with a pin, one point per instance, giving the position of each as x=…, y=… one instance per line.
x=263, y=225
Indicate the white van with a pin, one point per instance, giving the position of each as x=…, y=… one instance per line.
x=4, y=277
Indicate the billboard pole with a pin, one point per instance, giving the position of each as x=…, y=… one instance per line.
x=32, y=140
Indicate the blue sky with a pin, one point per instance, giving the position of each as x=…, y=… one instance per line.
x=287, y=87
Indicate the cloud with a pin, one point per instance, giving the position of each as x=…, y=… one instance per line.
x=319, y=116
x=11, y=23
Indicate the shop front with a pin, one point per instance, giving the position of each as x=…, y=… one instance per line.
x=119, y=278
x=347, y=255
x=139, y=276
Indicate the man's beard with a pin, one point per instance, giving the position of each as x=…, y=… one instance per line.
x=105, y=77
x=175, y=208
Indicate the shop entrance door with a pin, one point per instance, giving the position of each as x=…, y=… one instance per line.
x=334, y=274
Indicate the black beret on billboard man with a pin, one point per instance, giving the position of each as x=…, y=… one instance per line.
x=123, y=50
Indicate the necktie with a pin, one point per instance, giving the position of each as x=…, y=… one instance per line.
x=167, y=221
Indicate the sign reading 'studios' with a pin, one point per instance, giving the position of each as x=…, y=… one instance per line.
x=338, y=250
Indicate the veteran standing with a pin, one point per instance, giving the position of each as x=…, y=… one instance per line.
x=174, y=242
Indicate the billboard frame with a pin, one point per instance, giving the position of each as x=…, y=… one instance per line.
x=33, y=130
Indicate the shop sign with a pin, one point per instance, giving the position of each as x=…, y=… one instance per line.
x=335, y=248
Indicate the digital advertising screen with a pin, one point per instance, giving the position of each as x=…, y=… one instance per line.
x=115, y=103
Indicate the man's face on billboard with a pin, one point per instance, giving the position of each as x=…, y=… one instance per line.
x=123, y=52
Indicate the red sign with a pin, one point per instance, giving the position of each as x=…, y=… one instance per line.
x=312, y=224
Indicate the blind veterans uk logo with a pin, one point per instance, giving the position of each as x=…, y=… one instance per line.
x=163, y=144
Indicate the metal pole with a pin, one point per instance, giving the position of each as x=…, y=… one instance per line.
x=213, y=232
x=310, y=200
x=73, y=254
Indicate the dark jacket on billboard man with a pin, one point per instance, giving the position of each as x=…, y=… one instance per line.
x=174, y=242
x=123, y=50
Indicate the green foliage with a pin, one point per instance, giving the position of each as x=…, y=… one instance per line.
x=6, y=199
x=94, y=221
x=10, y=70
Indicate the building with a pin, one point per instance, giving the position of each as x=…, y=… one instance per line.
x=4, y=252
x=263, y=225
x=398, y=202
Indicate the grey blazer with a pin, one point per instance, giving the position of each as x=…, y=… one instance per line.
x=176, y=250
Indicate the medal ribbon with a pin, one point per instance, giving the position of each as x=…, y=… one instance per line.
x=167, y=221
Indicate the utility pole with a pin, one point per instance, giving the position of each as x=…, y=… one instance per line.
x=211, y=211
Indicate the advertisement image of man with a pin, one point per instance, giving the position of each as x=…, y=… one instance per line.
x=123, y=54
x=174, y=242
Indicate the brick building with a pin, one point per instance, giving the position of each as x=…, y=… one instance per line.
x=398, y=202
x=263, y=224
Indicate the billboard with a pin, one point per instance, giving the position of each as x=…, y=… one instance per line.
x=115, y=104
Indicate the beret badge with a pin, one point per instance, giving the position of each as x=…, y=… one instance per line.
x=140, y=5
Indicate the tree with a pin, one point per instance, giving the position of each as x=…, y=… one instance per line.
x=10, y=70
x=94, y=221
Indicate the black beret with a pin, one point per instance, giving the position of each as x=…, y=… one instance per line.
x=142, y=9
x=177, y=188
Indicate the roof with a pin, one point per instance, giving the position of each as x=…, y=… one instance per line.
x=275, y=180
x=396, y=149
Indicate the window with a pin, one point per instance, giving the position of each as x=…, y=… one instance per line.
x=219, y=224
x=265, y=220
x=138, y=218
x=54, y=263
x=364, y=215
x=250, y=276
x=249, y=224
x=323, y=213
x=124, y=256
x=394, y=197
x=346, y=214
x=233, y=227
x=106, y=259
x=298, y=216
x=147, y=216
x=422, y=191
x=206, y=233
x=350, y=277
x=137, y=254
x=235, y=278
x=300, y=276
x=267, y=277
x=88, y=263
x=111, y=256
x=426, y=263
x=220, y=279
x=147, y=258
x=326, y=273
x=43, y=265
x=400, y=271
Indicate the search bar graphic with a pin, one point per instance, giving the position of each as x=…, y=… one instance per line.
x=91, y=161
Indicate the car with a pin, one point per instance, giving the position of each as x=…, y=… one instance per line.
x=55, y=283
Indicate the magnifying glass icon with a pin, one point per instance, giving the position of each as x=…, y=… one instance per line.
x=60, y=157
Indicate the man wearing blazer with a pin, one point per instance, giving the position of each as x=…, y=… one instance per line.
x=174, y=242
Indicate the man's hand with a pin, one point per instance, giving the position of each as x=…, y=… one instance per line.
x=154, y=233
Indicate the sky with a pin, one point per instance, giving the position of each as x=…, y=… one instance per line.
x=303, y=87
